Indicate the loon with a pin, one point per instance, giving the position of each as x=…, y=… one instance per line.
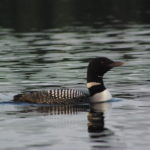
x=97, y=92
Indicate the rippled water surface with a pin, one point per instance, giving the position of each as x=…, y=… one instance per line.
x=59, y=58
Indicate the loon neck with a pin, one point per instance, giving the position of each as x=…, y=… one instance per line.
x=98, y=92
x=96, y=87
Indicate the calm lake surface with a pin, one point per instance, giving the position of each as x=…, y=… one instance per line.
x=59, y=57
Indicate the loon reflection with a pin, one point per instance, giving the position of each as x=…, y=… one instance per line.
x=54, y=109
x=96, y=117
x=96, y=120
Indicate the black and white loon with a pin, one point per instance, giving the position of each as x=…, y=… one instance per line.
x=97, y=92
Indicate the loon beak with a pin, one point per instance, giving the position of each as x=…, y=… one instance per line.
x=117, y=64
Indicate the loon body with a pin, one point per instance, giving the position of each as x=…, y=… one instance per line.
x=53, y=96
x=97, y=92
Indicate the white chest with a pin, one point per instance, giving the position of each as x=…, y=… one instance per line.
x=101, y=97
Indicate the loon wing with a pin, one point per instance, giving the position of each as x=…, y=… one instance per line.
x=53, y=96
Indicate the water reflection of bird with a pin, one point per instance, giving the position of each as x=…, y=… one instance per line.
x=51, y=109
x=97, y=91
x=54, y=109
x=96, y=120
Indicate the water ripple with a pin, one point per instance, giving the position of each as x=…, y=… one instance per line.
x=59, y=58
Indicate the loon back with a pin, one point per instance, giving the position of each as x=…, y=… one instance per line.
x=53, y=96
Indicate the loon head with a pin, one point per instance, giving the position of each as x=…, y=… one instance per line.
x=96, y=70
x=98, y=67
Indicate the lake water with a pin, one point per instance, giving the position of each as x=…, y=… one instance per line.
x=58, y=58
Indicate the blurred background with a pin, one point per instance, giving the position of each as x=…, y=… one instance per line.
x=36, y=15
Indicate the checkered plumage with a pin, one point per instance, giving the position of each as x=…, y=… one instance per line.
x=53, y=96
